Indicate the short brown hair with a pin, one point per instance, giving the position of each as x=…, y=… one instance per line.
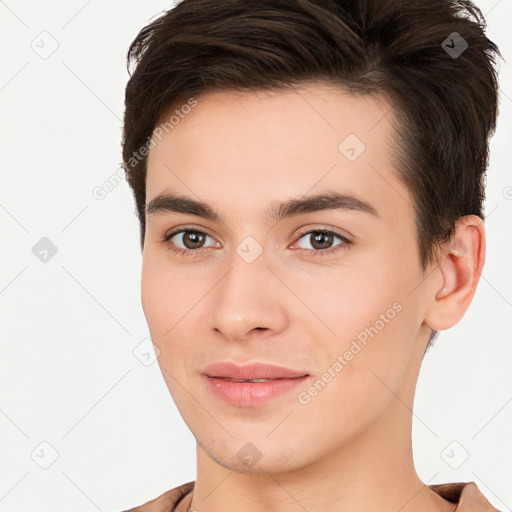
x=444, y=95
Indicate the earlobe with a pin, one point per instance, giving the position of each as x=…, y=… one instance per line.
x=459, y=268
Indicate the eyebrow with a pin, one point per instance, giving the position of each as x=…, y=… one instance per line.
x=175, y=203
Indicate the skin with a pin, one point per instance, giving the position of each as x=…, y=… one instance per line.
x=349, y=447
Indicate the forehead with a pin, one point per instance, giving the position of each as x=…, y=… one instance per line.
x=273, y=144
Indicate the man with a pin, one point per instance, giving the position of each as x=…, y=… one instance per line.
x=308, y=177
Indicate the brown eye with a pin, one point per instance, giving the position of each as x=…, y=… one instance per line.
x=188, y=240
x=193, y=239
x=320, y=240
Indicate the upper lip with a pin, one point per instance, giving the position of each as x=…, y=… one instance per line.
x=229, y=370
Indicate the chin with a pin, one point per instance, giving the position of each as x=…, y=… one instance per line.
x=257, y=457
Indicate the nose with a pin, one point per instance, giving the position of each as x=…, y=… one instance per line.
x=248, y=301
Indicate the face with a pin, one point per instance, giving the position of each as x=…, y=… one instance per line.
x=264, y=273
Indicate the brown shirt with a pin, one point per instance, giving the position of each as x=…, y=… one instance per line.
x=466, y=494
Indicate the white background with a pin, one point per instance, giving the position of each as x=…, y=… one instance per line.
x=68, y=374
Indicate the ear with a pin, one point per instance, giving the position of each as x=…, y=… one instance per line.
x=461, y=261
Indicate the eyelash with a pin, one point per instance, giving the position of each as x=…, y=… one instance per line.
x=315, y=252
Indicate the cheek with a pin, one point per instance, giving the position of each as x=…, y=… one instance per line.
x=368, y=377
x=164, y=290
x=375, y=324
x=162, y=301
x=352, y=303
x=154, y=295
x=169, y=301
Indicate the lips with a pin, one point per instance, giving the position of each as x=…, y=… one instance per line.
x=256, y=372
x=253, y=381
x=252, y=385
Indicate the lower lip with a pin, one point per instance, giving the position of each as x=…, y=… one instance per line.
x=251, y=394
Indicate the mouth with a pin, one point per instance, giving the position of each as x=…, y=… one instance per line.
x=244, y=380
x=252, y=372
x=251, y=385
